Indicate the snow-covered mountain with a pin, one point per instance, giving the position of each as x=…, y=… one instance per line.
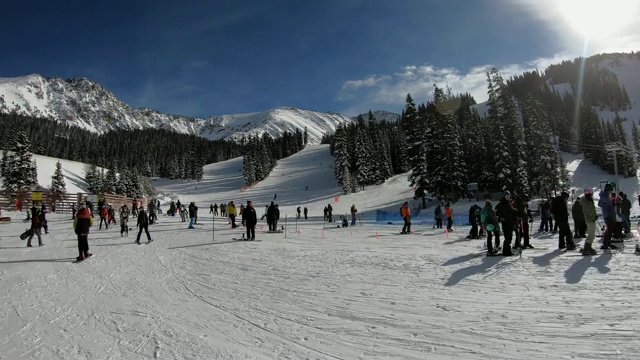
x=87, y=104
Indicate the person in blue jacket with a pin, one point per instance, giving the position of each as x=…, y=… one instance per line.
x=607, y=206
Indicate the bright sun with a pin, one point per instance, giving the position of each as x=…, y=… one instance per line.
x=597, y=19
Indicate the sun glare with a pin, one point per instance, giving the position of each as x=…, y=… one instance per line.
x=597, y=19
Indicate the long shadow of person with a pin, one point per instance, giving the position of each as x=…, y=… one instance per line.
x=576, y=271
x=545, y=260
x=487, y=263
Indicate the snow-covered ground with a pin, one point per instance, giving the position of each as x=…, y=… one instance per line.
x=320, y=292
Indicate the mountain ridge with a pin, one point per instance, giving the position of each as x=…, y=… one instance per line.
x=87, y=104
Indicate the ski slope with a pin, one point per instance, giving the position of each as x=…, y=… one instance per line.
x=316, y=292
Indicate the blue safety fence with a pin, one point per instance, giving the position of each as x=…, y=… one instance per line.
x=418, y=217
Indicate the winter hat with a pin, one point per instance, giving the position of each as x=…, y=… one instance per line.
x=487, y=202
x=83, y=206
x=507, y=193
x=564, y=194
x=406, y=203
x=588, y=191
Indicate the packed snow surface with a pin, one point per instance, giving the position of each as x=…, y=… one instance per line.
x=316, y=292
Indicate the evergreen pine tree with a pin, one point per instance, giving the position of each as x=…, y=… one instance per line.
x=92, y=178
x=57, y=180
x=110, y=182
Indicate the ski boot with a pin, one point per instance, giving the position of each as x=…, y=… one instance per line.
x=588, y=250
x=571, y=246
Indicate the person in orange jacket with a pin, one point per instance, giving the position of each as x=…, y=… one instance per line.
x=448, y=214
x=406, y=216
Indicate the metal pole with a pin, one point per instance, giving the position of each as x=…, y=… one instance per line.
x=615, y=167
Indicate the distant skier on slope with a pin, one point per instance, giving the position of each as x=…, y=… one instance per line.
x=81, y=224
x=249, y=220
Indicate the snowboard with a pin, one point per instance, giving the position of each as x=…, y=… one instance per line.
x=26, y=234
x=245, y=239
x=75, y=261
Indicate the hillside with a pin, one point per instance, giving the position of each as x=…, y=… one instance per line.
x=86, y=104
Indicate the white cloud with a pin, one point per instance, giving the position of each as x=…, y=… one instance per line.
x=388, y=92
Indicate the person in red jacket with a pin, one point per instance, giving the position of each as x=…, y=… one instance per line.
x=405, y=212
x=104, y=212
x=81, y=224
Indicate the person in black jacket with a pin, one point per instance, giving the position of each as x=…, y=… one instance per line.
x=474, y=214
x=579, y=223
x=249, y=220
x=506, y=214
x=81, y=224
x=193, y=211
x=561, y=215
x=271, y=217
x=143, y=224
x=36, y=225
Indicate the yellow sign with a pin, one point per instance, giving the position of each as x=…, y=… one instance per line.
x=36, y=196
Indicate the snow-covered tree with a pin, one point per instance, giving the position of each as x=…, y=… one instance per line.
x=19, y=171
x=57, y=180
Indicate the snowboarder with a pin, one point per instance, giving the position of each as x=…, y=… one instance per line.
x=405, y=212
x=490, y=222
x=249, y=220
x=474, y=211
x=81, y=224
x=143, y=224
x=438, y=217
x=271, y=217
x=305, y=211
x=36, y=225
x=561, y=215
x=608, y=213
x=353, y=214
x=124, y=220
x=626, y=214
x=579, y=224
x=231, y=210
x=590, y=217
x=193, y=210
x=507, y=216
x=449, y=215
x=103, y=218
x=43, y=219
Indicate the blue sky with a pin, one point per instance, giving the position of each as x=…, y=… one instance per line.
x=219, y=57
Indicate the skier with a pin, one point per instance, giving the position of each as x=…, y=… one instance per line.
x=211, y=209
x=275, y=196
x=561, y=215
x=298, y=211
x=249, y=220
x=449, y=214
x=143, y=224
x=438, y=217
x=231, y=210
x=326, y=214
x=305, y=211
x=590, y=217
x=271, y=217
x=490, y=222
x=81, y=224
x=223, y=209
x=353, y=214
x=579, y=224
x=329, y=213
x=36, y=225
x=215, y=209
x=124, y=220
x=193, y=210
x=405, y=212
x=474, y=211
x=608, y=213
x=507, y=216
